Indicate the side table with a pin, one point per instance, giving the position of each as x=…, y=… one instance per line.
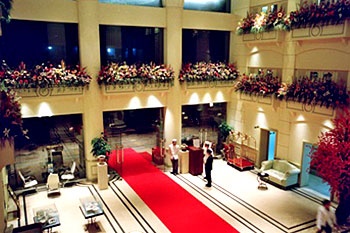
x=262, y=184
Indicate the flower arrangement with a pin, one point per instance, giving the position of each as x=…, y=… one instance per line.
x=264, y=83
x=44, y=75
x=207, y=71
x=10, y=115
x=122, y=73
x=264, y=22
x=323, y=92
x=324, y=13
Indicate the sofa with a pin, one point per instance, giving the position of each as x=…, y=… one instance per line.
x=281, y=173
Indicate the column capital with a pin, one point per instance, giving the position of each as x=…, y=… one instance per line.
x=173, y=3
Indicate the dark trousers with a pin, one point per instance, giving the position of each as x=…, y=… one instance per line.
x=208, y=176
x=326, y=229
x=175, y=163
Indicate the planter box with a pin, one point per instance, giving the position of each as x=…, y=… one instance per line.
x=272, y=36
x=50, y=91
x=256, y=98
x=209, y=84
x=136, y=87
x=318, y=32
x=316, y=109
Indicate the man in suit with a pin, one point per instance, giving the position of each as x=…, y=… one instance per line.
x=208, y=165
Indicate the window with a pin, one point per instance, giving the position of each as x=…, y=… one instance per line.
x=35, y=42
x=339, y=77
x=272, y=7
x=208, y=5
x=154, y=3
x=131, y=44
x=205, y=45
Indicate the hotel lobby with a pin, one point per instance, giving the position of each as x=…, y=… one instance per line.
x=142, y=73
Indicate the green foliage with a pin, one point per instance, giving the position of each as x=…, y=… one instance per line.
x=100, y=146
x=225, y=129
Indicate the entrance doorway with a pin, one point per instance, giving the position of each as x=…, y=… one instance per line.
x=309, y=179
x=268, y=139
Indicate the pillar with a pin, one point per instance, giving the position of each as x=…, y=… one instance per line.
x=173, y=56
x=89, y=48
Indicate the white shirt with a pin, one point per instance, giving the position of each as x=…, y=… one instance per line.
x=174, y=151
x=325, y=216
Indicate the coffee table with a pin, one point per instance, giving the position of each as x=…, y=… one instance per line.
x=48, y=216
x=91, y=208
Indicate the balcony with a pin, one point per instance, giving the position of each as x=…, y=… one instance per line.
x=316, y=32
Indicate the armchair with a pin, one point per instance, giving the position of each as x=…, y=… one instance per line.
x=53, y=184
x=69, y=174
x=28, y=181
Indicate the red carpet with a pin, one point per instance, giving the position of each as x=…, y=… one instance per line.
x=174, y=206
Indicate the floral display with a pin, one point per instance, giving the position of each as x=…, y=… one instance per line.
x=10, y=115
x=313, y=91
x=323, y=92
x=203, y=71
x=331, y=160
x=44, y=75
x=264, y=22
x=122, y=73
x=264, y=83
x=324, y=13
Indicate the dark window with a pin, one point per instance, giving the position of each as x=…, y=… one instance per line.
x=155, y=3
x=131, y=44
x=204, y=45
x=35, y=42
x=216, y=6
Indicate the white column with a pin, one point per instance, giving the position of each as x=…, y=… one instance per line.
x=173, y=56
x=89, y=47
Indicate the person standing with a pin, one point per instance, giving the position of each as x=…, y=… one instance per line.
x=174, y=156
x=206, y=146
x=326, y=219
x=208, y=165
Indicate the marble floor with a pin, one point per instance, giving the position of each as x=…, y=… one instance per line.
x=234, y=197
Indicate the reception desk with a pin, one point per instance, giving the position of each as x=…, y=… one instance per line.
x=195, y=160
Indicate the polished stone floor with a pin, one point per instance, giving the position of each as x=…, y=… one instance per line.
x=250, y=209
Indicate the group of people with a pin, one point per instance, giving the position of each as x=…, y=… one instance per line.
x=174, y=150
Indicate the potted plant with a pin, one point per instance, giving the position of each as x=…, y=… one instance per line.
x=100, y=147
x=224, y=131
